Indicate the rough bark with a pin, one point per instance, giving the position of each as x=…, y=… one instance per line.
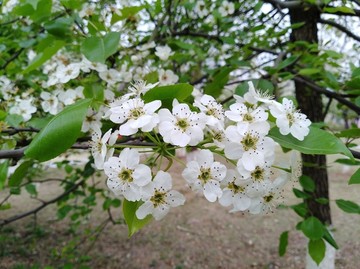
x=310, y=103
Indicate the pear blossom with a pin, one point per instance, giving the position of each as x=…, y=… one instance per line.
x=126, y=176
x=290, y=120
x=23, y=107
x=167, y=77
x=158, y=197
x=226, y=8
x=134, y=114
x=204, y=174
x=181, y=127
x=163, y=52
x=213, y=111
x=234, y=192
x=92, y=121
x=138, y=88
x=111, y=76
x=50, y=103
x=200, y=9
x=248, y=118
x=68, y=72
x=99, y=146
x=250, y=147
x=263, y=97
x=268, y=199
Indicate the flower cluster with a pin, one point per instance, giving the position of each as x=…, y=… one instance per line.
x=233, y=159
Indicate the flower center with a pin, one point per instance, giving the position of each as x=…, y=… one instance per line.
x=290, y=118
x=205, y=174
x=268, y=198
x=249, y=142
x=182, y=124
x=235, y=188
x=248, y=117
x=258, y=174
x=158, y=198
x=136, y=113
x=126, y=175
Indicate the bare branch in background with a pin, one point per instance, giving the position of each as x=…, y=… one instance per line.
x=341, y=28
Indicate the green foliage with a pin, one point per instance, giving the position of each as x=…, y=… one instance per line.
x=17, y=177
x=283, y=243
x=218, y=81
x=307, y=183
x=348, y=206
x=134, y=224
x=317, y=142
x=313, y=228
x=355, y=178
x=98, y=49
x=317, y=250
x=60, y=133
x=3, y=173
x=166, y=94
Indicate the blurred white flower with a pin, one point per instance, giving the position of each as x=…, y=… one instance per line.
x=163, y=52
x=159, y=197
x=167, y=77
x=126, y=176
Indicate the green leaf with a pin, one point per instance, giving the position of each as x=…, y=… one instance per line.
x=4, y=166
x=317, y=250
x=308, y=71
x=166, y=94
x=313, y=228
x=353, y=84
x=322, y=201
x=126, y=12
x=19, y=174
x=316, y=142
x=111, y=43
x=60, y=133
x=45, y=55
x=348, y=206
x=328, y=237
x=355, y=178
x=59, y=27
x=342, y=9
x=218, y=81
x=94, y=49
x=283, y=243
x=288, y=61
x=307, y=183
x=301, y=194
x=134, y=224
x=300, y=209
x=349, y=133
x=31, y=189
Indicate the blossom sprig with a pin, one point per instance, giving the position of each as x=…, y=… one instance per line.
x=233, y=155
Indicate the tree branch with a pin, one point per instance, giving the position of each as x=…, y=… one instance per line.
x=13, y=57
x=341, y=28
x=287, y=4
x=329, y=94
x=45, y=204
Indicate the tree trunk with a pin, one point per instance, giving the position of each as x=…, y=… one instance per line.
x=310, y=103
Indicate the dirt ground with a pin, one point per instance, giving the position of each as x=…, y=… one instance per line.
x=198, y=235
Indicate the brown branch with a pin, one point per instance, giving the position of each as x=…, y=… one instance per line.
x=43, y=205
x=284, y=4
x=13, y=57
x=341, y=28
x=329, y=94
x=13, y=130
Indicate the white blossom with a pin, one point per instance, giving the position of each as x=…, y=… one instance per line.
x=134, y=114
x=167, y=77
x=158, y=197
x=126, y=176
x=290, y=120
x=182, y=127
x=50, y=102
x=213, y=111
x=204, y=174
x=99, y=146
x=24, y=108
x=111, y=76
x=226, y=8
x=234, y=192
x=163, y=52
x=92, y=121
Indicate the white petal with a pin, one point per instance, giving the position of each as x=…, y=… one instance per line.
x=212, y=190
x=142, y=175
x=145, y=209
